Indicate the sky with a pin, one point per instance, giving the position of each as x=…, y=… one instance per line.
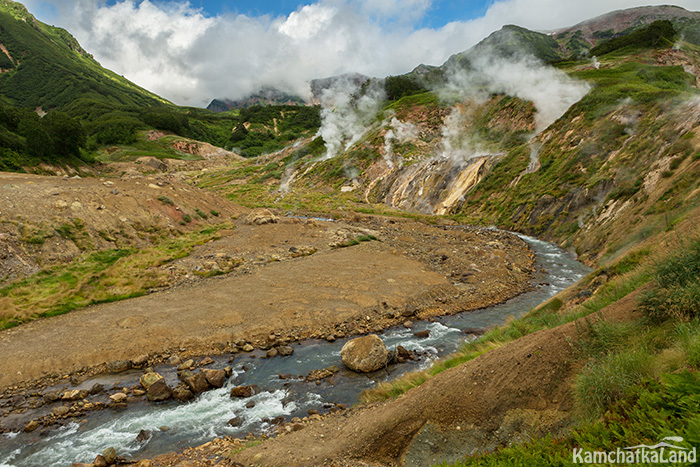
x=191, y=52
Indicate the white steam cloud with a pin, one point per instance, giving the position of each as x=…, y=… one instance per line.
x=346, y=115
x=551, y=91
x=457, y=143
x=400, y=132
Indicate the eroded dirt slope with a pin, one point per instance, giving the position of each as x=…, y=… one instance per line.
x=47, y=219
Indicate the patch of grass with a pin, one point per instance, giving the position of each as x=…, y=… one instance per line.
x=357, y=240
x=99, y=277
x=676, y=289
x=165, y=200
x=639, y=385
x=648, y=412
x=201, y=213
x=615, y=290
x=609, y=378
x=75, y=232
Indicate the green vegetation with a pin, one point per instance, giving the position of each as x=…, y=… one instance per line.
x=263, y=129
x=657, y=34
x=99, y=277
x=51, y=70
x=357, y=240
x=638, y=82
x=648, y=412
x=397, y=87
x=575, y=158
x=90, y=107
x=639, y=379
x=676, y=287
x=26, y=139
x=513, y=41
x=165, y=200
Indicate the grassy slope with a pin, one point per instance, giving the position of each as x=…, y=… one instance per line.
x=638, y=380
x=52, y=70
x=601, y=151
x=96, y=277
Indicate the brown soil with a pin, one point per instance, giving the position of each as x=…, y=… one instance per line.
x=103, y=213
x=290, y=281
x=511, y=393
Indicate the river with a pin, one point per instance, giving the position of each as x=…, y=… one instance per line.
x=175, y=426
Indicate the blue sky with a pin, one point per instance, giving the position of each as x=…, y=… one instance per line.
x=194, y=51
x=440, y=12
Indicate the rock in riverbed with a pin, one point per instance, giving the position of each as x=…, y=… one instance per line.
x=182, y=392
x=365, y=354
x=159, y=391
x=243, y=391
x=147, y=380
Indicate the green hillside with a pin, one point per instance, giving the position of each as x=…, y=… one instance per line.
x=44, y=69
x=44, y=66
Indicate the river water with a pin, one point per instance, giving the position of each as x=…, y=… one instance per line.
x=176, y=426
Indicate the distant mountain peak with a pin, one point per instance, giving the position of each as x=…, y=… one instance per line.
x=267, y=95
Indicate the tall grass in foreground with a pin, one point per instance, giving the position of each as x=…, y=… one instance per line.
x=676, y=291
x=650, y=411
x=641, y=379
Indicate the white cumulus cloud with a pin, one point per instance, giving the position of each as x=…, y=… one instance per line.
x=177, y=51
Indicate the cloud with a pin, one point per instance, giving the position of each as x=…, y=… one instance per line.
x=402, y=10
x=551, y=91
x=177, y=51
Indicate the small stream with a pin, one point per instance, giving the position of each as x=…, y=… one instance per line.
x=176, y=426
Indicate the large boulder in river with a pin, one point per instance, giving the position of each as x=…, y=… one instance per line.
x=243, y=391
x=216, y=378
x=182, y=392
x=365, y=354
x=198, y=383
x=159, y=391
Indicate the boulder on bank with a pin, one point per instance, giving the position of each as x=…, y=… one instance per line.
x=365, y=354
x=260, y=216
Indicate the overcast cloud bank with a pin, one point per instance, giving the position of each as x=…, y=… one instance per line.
x=178, y=52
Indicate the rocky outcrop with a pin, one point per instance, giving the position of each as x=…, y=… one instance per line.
x=260, y=216
x=365, y=354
